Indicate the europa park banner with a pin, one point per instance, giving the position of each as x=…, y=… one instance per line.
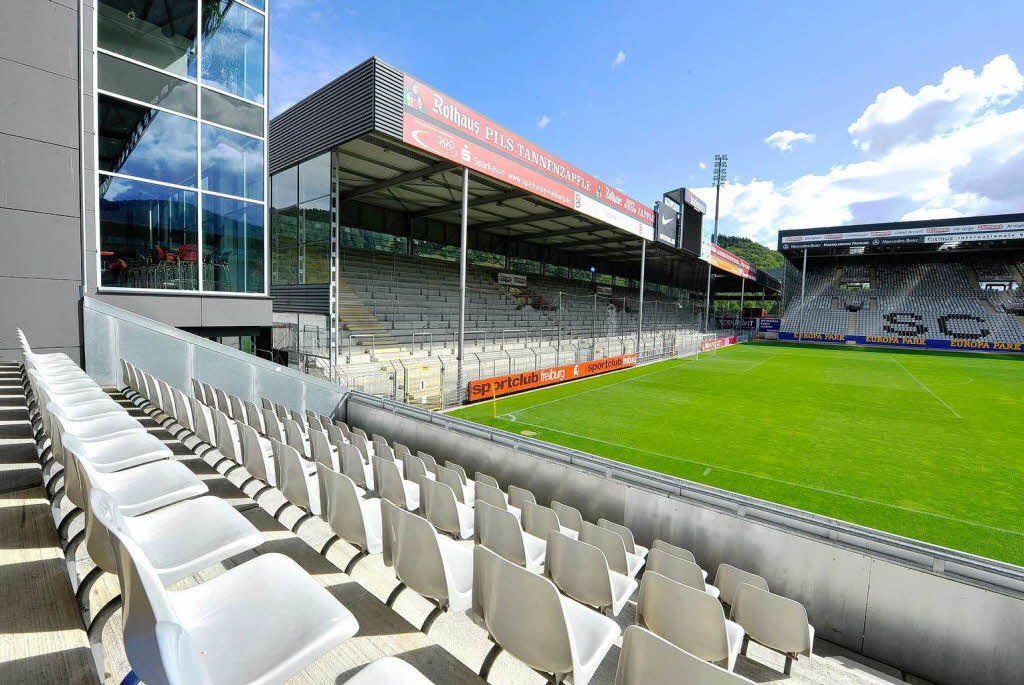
x=486, y=388
x=434, y=122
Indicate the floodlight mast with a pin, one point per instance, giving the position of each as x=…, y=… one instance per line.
x=719, y=179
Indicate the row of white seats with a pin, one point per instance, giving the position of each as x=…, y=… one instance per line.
x=593, y=564
x=148, y=520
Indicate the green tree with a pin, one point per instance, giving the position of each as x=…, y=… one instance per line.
x=757, y=254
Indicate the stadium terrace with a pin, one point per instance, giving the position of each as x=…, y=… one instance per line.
x=380, y=392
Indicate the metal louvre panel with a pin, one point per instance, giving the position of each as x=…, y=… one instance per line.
x=387, y=115
x=338, y=112
x=303, y=299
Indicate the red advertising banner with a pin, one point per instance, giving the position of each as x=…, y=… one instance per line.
x=727, y=261
x=434, y=122
x=709, y=345
x=486, y=388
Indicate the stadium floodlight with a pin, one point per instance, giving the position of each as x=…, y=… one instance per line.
x=719, y=179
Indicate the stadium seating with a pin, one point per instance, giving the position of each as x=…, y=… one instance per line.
x=647, y=658
x=940, y=300
x=557, y=635
x=776, y=622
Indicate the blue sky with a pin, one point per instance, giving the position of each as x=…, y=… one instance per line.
x=880, y=111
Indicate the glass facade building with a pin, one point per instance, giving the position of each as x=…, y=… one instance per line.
x=300, y=216
x=181, y=145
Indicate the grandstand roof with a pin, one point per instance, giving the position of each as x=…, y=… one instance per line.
x=400, y=145
x=962, y=233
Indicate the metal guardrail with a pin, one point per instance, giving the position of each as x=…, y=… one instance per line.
x=373, y=345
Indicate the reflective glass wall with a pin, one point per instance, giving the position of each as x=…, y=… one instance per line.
x=181, y=144
x=300, y=218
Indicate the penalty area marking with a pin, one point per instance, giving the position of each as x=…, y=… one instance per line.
x=930, y=391
x=777, y=480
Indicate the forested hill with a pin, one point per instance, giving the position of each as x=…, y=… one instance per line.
x=757, y=254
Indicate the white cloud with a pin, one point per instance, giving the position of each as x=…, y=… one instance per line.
x=543, y=121
x=619, y=59
x=784, y=140
x=970, y=164
x=897, y=117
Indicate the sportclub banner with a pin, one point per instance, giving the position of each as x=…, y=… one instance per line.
x=727, y=261
x=901, y=341
x=486, y=388
x=434, y=122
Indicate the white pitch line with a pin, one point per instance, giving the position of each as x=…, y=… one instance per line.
x=942, y=401
x=778, y=480
x=584, y=392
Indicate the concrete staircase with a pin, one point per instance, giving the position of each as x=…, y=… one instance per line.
x=355, y=318
x=851, y=323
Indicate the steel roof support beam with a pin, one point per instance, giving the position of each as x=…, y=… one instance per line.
x=524, y=220
x=475, y=202
x=414, y=175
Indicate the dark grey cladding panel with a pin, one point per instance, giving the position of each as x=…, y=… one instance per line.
x=364, y=99
x=304, y=299
x=387, y=116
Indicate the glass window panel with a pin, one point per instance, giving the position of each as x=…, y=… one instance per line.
x=315, y=178
x=221, y=109
x=233, y=48
x=315, y=241
x=232, y=245
x=148, y=235
x=258, y=4
x=284, y=188
x=162, y=34
x=145, y=85
x=141, y=141
x=232, y=163
x=284, y=241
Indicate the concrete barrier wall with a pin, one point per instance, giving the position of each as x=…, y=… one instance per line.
x=929, y=611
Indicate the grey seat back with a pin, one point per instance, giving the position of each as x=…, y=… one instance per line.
x=238, y=412
x=211, y=396
x=539, y=520
x=647, y=658
x=321, y=450
x=451, y=479
x=491, y=495
x=458, y=469
x=352, y=465
x=415, y=552
x=517, y=496
x=272, y=425
x=182, y=410
x=674, y=550
x=339, y=501
x=690, y=619
x=773, y=620
x=360, y=442
x=578, y=569
x=437, y=502
x=428, y=460
x=223, y=404
x=294, y=436
x=499, y=531
x=389, y=483
x=679, y=570
x=481, y=477
x=253, y=415
x=252, y=455
x=291, y=475
x=222, y=432
x=569, y=517
x=381, y=448
x=415, y=470
x=265, y=403
x=728, y=579
x=625, y=533
x=608, y=542
x=202, y=427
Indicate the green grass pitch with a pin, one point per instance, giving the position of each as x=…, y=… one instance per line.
x=926, y=445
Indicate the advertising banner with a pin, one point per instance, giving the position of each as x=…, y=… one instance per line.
x=434, y=122
x=708, y=345
x=727, y=261
x=667, y=223
x=904, y=236
x=901, y=341
x=769, y=325
x=694, y=201
x=486, y=388
x=604, y=290
x=511, y=279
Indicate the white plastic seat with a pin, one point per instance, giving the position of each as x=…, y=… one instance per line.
x=202, y=420
x=392, y=487
x=353, y=466
x=614, y=548
x=352, y=518
x=568, y=517
x=481, y=477
x=728, y=580
x=627, y=537
x=388, y=671
x=260, y=622
x=527, y=617
x=442, y=509
x=690, y=619
x=272, y=425
x=679, y=570
x=296, y=479
x=322, y=450
x=540, y=521
x=499, y=530
x=428, y=461
x=517, y=496
x=581, y=571
x=678, y=552
x=296, y=438
x=257, y=457
x=451, y=478
x=496, y=498
x=437, y=568
x=415, y=470
x=647, y=658
x=253, y=416
x=776, y=622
